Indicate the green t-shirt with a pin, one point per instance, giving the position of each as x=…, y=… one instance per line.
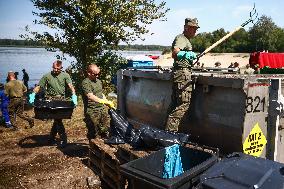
x=55, y=85
x=94, y=87
x=183, y=44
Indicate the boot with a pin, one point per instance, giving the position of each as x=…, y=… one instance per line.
x=9, y=125
x=51, y=141
x=62, y=134
x=63, y=143
x=31, y=123
x=63, y=140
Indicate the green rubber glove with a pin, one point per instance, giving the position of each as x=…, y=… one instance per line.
x=32, y=98
x=190, y=56
x=74, y=99
x=180, y=55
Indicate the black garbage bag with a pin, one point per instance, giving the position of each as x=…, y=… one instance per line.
x=154, y=138
x=115, y=140
x=121, y=130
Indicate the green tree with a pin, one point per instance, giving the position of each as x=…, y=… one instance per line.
x=279, y=35
x=238, y=42
x=263, y=35
x=86, y=29
x=217, y=35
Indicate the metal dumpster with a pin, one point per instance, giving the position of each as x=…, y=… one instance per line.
x=228, y=111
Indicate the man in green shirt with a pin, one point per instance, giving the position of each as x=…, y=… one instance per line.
x=182, y=84
x=15, y=90
x=96, y=114
x=55, y=83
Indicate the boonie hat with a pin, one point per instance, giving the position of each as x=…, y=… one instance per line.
x=191, y=22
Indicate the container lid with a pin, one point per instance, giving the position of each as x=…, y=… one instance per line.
x=242, y=171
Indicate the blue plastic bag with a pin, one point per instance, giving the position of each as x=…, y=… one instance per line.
x=172, y=164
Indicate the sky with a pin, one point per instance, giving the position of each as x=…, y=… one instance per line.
x=211, y=14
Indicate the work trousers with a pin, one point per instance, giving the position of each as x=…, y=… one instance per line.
x=5, y=113
x=97, y=122
x=181, y=95
x=16, y=108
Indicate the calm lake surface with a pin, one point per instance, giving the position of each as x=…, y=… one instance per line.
x=38, y=61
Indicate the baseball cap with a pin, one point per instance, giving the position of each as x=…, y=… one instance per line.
x=191, y=22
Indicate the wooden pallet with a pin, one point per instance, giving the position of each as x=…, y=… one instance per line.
x=105, y=160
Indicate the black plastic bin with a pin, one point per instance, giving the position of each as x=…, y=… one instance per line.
x=241, y=171
x=53, y=109
x=147, y=172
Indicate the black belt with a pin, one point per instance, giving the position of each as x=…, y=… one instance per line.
x=15, y=97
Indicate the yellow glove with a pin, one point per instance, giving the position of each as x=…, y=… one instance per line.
x=107, y=102
x=110, y=104
x=102, y=101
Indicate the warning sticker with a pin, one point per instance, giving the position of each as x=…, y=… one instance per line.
x=255, y=142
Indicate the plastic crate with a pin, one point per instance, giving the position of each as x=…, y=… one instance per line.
x=241, y=171
x=55, y=109
x=147, y=172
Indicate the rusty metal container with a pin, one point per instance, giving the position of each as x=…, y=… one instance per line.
x=224, y=110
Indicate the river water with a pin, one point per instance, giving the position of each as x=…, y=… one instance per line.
x=38, y=61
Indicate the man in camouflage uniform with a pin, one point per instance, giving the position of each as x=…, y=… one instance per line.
x=96, y=114
x=15, y=90
x=54, y=84
x=182, y=84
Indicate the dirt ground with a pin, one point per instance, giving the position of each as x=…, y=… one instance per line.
x=27, y=161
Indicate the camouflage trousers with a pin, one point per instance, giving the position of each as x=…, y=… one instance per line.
x=16, y=108
x=97, y=122
x=182, y=90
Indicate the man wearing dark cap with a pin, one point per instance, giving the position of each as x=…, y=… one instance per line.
x=26, y=78
x=182, y=84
